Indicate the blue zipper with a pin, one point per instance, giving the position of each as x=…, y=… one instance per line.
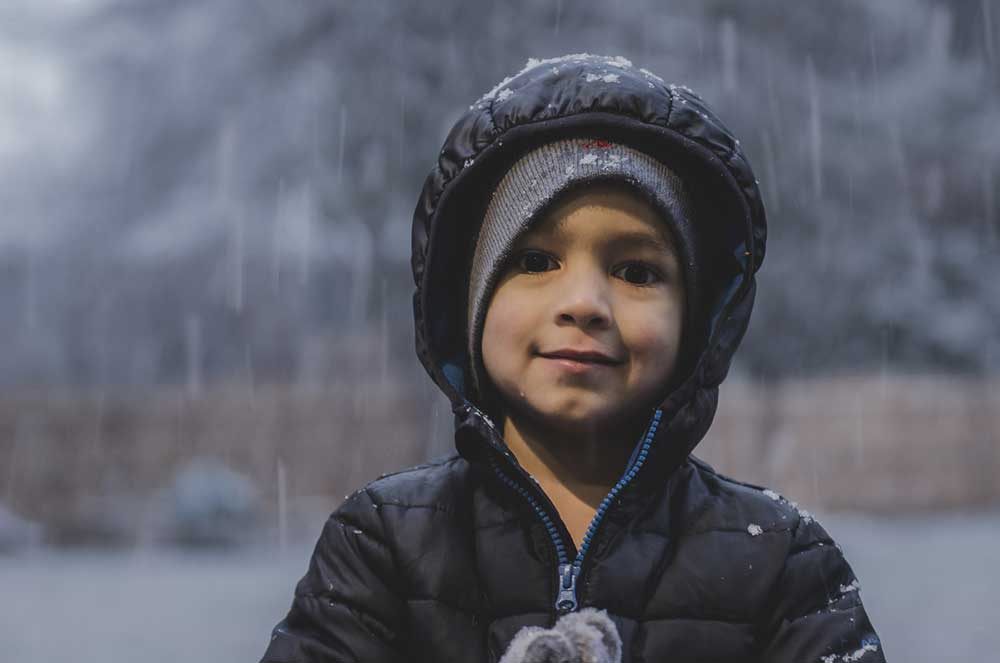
x=570, y=572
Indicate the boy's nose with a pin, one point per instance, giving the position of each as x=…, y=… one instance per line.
x=583, y=300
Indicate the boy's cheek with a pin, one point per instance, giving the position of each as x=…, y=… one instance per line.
x=505, y=322
x=651, y=336
x=504, y=344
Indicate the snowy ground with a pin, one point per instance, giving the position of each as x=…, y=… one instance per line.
x=929, y=583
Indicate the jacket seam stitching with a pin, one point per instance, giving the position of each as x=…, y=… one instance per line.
x=433, y=507
x=734, y=530
x=602, y=111
x=340, y=519
x=500, y=523
x=813, y=546
x=659, y=570
x=333, y=598
x=481, y=586
x=392, y=553
x=764, y=619
x=493, y=121
x=670, y=105
x=759, y=489
x=687, y=533
x=728, y=479
x=721, y=619
x=455, y=606
x=831, y=606
x=449, y=459
x=435, y=199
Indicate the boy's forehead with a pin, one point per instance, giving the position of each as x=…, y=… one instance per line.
x=610, y=235
x=647, y=230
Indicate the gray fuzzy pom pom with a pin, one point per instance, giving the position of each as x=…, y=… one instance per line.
x=587, y=636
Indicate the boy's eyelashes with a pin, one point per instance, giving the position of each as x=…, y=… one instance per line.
x=533, y=261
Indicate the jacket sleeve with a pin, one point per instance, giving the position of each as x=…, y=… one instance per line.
x=816, y=612
x=345, y=608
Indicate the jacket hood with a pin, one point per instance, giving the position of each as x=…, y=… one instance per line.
x=608, y=98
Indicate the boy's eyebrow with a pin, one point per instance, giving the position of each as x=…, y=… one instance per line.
x=642, y=239
x=625, y=239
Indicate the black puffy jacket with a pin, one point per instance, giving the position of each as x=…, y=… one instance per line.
x=448, y=560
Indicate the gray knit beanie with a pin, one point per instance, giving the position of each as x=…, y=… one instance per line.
x=536, y=179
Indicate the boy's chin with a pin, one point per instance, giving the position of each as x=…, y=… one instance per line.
x=578, y=417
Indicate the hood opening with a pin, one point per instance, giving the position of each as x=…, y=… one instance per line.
x=440, y=304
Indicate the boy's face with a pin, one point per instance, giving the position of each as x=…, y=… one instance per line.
x=597, y=273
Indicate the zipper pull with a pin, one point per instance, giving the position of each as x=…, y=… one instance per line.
x=567, y=588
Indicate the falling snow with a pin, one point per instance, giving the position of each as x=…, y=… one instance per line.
x=828, y=138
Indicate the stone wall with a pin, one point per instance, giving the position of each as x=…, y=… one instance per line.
x=91, y=466
x=863, y=442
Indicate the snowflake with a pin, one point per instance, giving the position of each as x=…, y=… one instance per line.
x=619, y=61
x=805, y=515
x=861, y=652
x=651, y=74
x=614, y=61
x=866, y=646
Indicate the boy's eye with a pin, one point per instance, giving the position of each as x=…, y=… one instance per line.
x=635, y=272
x=533, y=261
x=640, y=269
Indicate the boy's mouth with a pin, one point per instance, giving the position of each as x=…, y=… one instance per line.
x=578, y=367
x=580, y=356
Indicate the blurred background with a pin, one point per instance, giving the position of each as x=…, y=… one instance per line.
x=206, y=291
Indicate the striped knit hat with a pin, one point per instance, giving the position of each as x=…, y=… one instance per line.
x=536, y=179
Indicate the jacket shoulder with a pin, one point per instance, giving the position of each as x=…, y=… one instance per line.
x=718, y=501
x=437, y=484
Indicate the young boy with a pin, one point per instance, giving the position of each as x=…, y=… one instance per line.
x=584, y=255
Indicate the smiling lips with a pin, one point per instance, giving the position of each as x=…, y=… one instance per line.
x=574, y=357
